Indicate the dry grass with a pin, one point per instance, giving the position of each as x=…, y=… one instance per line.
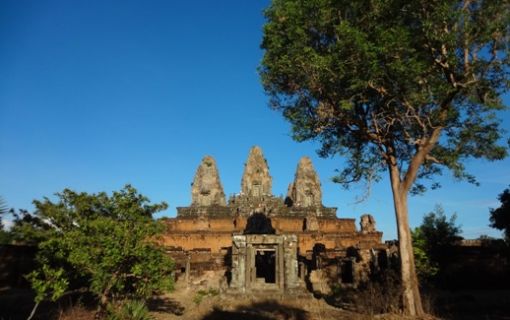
x=76, y=313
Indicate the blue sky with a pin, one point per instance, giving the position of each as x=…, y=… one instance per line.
x=97, y=94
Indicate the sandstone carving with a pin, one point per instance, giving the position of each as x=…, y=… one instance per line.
x=367, y=223
x=206, y=189
x=305, y=191
x=256, y=180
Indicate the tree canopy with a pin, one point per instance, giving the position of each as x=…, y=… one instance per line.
x=370, y=79
x=432, y=241
x=439, y=231
x=411, y=87
x=106, y=243
x=500, y=217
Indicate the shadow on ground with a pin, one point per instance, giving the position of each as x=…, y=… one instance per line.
x=472, y=304
x=265, y=310
x=16, y=304
x=166, y=305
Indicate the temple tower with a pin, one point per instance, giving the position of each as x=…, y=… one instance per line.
x=305, y=191
x=206, y=188
x=256, y=180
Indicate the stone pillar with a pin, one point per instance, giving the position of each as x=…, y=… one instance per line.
x=250, y=266
x=238, y=262
x=291, y=263
x=187, y=270
x=280, y=267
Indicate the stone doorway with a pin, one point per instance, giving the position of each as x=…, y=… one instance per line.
x=264, y=262
x=265, y=266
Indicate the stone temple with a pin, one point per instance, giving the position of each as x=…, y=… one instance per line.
x=257, y=242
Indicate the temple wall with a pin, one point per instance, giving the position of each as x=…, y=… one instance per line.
x=214, y=225
x=217, y=233
x=306, y=241
x=281, y=224
x=214, y=241
x=337, y=225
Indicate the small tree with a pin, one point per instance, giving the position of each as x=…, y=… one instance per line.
x=433, y=239
x=500, y=217
x=107, y=242
x=405, y=87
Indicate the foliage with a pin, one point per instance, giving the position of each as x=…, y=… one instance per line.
x=5, y=236
x=500, y=217
x=412, y=87
x=29, y=229
x=425, y=268
x=373, y=79
x=109, y=243
x=129, y=310
x=438, y=231
x=432, y=240
x=201, y=294
x=48, y=283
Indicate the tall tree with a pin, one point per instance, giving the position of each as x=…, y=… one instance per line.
x=406, y=87
x=500, y=217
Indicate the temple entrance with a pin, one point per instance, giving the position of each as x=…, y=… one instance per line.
x=264, y=262
x=265, y=265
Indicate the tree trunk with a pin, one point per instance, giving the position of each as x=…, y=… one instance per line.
x=411, y=292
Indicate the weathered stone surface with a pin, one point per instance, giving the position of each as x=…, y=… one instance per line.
x=227, y=239
x=305, y=191
x=244, y=251
x=367, y=223
x=319, y=282
x=206, y=189
x=256, y=180
x=312, y=224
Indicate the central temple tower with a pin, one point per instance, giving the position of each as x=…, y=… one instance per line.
x=256, y=181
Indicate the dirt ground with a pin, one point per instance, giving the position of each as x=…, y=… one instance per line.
x=188, y=304
x=216, y=307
